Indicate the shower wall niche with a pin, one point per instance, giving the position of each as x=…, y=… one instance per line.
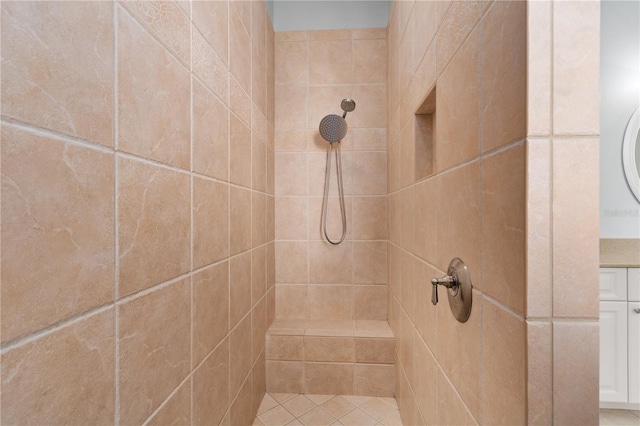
x=424, y=136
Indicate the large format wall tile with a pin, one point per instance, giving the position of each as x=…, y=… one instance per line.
x=177, y=410
x=503, y=72
x=370, y=262
x=504, y=60
x=291, y=218
x=241, y=411
x=369, y=218
x=211, y=18
x=460, y=18
x=211, y=386
x=503, y=226
x=210, y=309
x=210, y=134
x=575, y=224
x=370, y=302
x=137, y=204
x=451, y=408
x=330, y=62
x=258, y=332
x=66, y=377
x=258, y=274
x=576, y=74
x=239, y=153
x=459, y=219
x=330, y=264
x=239, y=287
x=153, y=98
x=503, y=370
x=208, y=67
x=539, y=282
x=57, y=67
x=239, y=51
x=57, y=240
x=292, y=301
x=330, y=301
x=575, y=372
x=258, y=219
x=154, y=348
x=458, y=116
x=165, y=21
x=370, y=60
x=210, y=221
x=539, y=68
x=291, y=63
x=425, y=230
x=334, y=218
x=240, y=360
x=154, y=235
x=539, y=373
x=239, y=219
x=459, y=349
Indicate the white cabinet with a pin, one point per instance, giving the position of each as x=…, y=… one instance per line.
x=613, y=284
x=613, y=352
x=620, y=337
x=634, y=352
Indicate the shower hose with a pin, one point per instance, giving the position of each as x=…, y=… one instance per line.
x=325, y=203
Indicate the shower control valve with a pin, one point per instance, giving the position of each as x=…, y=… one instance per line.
x=449, y=281
x=458, y=284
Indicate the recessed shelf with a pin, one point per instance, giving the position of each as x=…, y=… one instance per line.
x=424, y=139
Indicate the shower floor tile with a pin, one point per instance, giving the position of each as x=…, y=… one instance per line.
x=280, y=409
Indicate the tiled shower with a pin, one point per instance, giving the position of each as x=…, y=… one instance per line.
x=137, y=211
x=162, y=179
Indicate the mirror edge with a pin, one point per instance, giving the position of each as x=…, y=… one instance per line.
x=630, y=167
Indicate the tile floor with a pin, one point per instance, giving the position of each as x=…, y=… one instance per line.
x=619, y=417
x=287, y=409
x=280, y=409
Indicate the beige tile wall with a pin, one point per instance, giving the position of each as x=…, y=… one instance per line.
x=315, y=70
x=562, y=233
x=472, y=206
x=137, y=236
x=513, y=193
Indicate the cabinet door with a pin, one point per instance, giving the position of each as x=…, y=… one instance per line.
x=634, y=284
x=613, y=352
x=613, y=284
x=634, y=352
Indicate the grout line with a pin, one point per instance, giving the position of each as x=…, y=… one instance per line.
x=116, y=181
x=146, y=291
x=191, y=181
x=583, y=319
x=228, y=335
x=151, y=162
x=483, y=157
x=154, y=35
x=44, y=332
x=503, y=306
x=51, y=134
x=167, y=399
x=551, y=137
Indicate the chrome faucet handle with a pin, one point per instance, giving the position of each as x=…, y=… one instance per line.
x=459, y=289
x=449, y=281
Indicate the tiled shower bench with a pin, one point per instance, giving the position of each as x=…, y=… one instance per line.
x=330, y=357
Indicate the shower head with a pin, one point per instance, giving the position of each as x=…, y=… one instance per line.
x=333, y=128
x=348, y=105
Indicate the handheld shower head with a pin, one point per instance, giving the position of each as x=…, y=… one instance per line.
x=333, y=128
x=347, y=105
